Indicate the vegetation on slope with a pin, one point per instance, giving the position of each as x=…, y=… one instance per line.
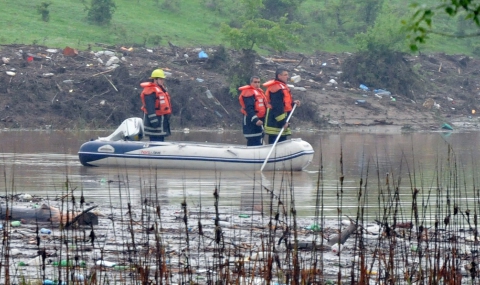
x=327, y=25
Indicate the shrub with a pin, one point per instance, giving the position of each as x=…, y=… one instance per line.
x=101, y=11
x=42, y=9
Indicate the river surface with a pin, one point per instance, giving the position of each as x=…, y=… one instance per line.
x=379, y=170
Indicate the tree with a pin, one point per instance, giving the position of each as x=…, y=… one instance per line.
x=43, y=10
x=101, y=11
x=274, y=9
x=253, y=31
x=420, y=24
x=379, y=60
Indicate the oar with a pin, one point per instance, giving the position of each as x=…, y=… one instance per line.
x=278, y=137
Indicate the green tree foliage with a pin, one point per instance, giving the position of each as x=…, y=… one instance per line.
x=101, y=11
x=379, y=62
x=253, y=31
x=346, y=18
x=275, y=9
x=43, y=10
x=421, y=23
x=384, y=34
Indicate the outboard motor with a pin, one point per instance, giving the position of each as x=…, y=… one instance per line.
x=129, y=130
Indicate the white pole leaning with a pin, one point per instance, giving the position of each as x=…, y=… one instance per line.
x=278, y=137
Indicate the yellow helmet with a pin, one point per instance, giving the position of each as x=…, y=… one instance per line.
x=158, y=73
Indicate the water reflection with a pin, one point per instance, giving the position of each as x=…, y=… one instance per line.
x=385, y=168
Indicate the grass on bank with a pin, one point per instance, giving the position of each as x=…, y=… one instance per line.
x=189, y=23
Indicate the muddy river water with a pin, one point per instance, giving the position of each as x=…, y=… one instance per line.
x=442, y=166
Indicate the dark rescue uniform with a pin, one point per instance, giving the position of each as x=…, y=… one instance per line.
x=281, y=104
x=254, y=105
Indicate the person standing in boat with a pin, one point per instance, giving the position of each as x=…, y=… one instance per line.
x=281, y=104
x=156, y=107
x=253, y=107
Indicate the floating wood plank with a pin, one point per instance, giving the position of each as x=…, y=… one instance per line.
x=46, y=214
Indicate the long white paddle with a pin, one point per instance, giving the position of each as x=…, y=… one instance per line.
x=278, y=137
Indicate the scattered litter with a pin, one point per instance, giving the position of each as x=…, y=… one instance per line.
x=68, y=51
x=295, y=79
x=337, y=248
x=363, y=87
x=202, y=54
x=112, y=60
x=447, y=127
x=199, y=80
x=105, y=263
x=300, y=88
x=10, y=73
x=45, y=231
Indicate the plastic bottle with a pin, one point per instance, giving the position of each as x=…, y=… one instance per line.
x=45, y=231
x=244, y=216
x=78, y=277
x=295, y=78
x=51, y=282
x=120, y=267
x=16, y=223
x=21, y=263
x=70, y=263
x=105, y=263
x=363, y=87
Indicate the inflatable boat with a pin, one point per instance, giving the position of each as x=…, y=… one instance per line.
x=122, y=149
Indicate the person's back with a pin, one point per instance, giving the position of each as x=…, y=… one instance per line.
x=156, y=106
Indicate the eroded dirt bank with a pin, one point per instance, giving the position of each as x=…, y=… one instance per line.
x=44, y=87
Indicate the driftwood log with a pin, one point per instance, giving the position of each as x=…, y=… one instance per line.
x=344, y=235
x=48, y=214
x=341, y=238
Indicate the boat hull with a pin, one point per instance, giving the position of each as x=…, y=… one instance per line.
x=294, y=154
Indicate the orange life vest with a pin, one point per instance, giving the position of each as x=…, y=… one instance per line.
x=162, y=104
x=261, y=102
x=275, y=85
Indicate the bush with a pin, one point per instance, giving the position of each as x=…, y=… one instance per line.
x=42, y=9
x=101, y=11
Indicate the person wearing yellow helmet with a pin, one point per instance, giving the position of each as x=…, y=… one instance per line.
x=156, y=107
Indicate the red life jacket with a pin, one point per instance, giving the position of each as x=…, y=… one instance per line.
x=162, y=104
x=261, y=102
x=275, y=85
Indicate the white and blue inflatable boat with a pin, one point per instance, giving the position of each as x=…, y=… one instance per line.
x=121, y=150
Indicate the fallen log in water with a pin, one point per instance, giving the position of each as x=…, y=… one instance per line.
x=344, y=235
x=48, y=214
x=341, y=238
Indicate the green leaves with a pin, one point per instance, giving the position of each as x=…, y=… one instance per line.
x=421, y=23
x=101, y=11
x=256, y=31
